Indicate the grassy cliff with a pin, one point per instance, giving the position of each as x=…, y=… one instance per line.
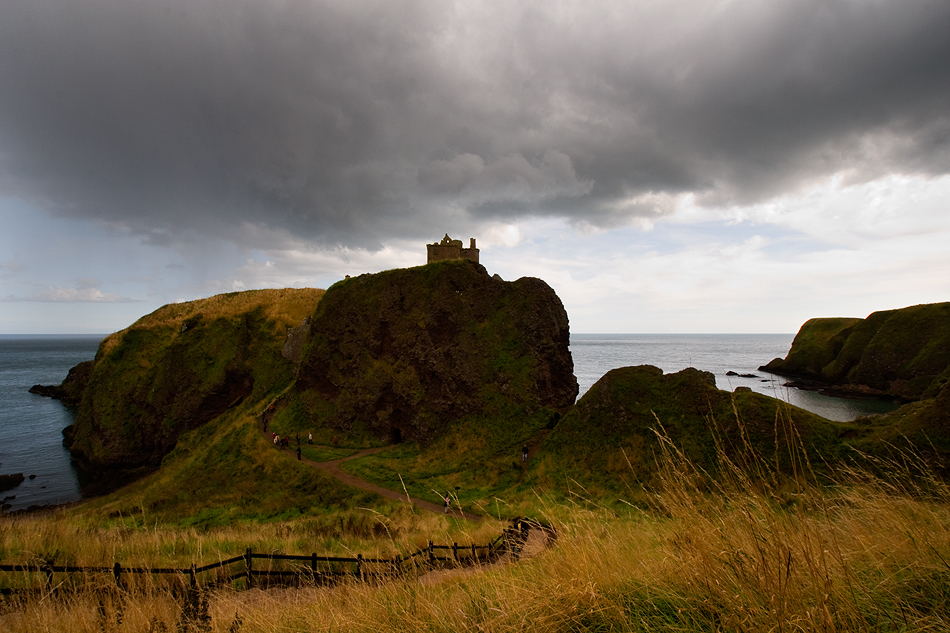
x=904, y=354
x=405, y=353
x=180, y=367
x=610, y=442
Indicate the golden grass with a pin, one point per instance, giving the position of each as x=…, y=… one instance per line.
x=283, y=306
x=861, y=553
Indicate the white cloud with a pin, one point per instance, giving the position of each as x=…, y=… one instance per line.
x=70, y=295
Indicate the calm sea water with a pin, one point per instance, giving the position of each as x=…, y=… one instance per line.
x=31, y=426
x=596, y=354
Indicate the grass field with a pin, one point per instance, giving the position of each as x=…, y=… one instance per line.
x=852, y=553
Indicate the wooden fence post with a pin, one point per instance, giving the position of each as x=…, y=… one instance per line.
x=49, y=575
x=474, y=555
x=431, y=555
x=194, y=576
x=248, y=567
x=359, y=566
x=117, y=572
x=455, y=552
x=313, y=566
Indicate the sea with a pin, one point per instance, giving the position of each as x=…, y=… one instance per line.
x=31, y=426
x=31, y=440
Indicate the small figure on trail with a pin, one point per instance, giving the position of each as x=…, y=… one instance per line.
x=310, y=438
x=524, y=453
x=298, y=453
x=335, y=440
x=447, y=502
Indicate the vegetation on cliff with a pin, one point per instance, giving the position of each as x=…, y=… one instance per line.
x=904, y=354
x=609, y=443
x=405, y=353
x=688, y=507
x=426, y=355
x=454, y=368
x=178, y=368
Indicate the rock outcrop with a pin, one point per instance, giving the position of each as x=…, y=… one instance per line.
x=9, y=482
x=71, y=389
x=903, y=354
x=405, y=353
x=610, y=439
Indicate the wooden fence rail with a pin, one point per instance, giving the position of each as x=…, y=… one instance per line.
x=308, y=568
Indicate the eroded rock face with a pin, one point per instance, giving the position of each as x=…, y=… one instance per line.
x=406, y=352
x=903, y=354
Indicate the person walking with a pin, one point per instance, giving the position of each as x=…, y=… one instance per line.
x=524, y=453
x=447, y=502
x=310, y=438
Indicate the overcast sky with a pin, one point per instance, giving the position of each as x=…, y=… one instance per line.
x=665, y=165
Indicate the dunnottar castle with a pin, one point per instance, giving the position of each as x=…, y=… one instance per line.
x=451, y=249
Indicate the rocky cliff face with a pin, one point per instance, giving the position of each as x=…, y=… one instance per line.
x=404, y=353
x=904, y=354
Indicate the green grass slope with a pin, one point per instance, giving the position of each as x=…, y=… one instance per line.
x=179, y=368
x=904, y=354
x=226, y=472
x=817, y=344
x=609, y=444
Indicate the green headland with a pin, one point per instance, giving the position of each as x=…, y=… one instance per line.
x=678, y=506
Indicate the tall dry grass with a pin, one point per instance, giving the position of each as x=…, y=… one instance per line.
x=752, y=550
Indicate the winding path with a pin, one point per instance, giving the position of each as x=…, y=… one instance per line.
x=332, y=468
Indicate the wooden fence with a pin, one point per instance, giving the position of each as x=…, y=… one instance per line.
x=269, y=569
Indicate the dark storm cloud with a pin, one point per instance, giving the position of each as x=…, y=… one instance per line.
x=347, y=122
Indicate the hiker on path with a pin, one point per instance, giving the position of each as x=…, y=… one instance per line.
x=310, y=438
x=447, y=501
x=298, y=453
x=524, y=453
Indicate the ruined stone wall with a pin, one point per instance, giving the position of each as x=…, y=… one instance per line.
x=449, y=249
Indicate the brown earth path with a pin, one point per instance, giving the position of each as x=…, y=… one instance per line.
x=332, y=468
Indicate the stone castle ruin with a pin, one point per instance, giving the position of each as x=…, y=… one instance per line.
x=451, y=249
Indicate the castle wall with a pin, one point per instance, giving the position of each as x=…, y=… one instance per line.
x=449, y=249
x=438, y=253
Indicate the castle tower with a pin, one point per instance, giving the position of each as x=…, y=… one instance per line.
x=449, y=249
